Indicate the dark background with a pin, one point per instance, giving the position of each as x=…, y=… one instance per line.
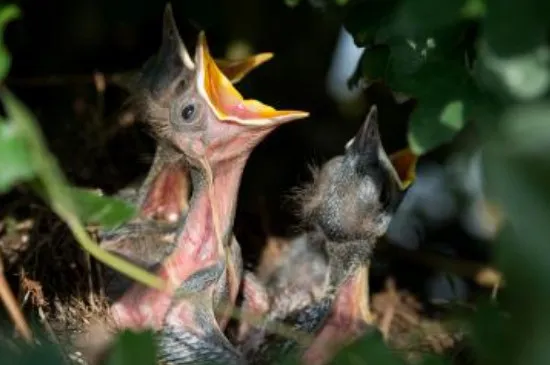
x=58, y=45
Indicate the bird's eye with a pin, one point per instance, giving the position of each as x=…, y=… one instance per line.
x=188, y=112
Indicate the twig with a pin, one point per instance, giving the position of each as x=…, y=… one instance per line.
x=389, y=313
x=47, y=325
x=6, y=295
x=90, y=279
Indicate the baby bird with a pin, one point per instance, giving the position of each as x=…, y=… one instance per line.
x=215, y=130
x=162, y=198
x=349, y=205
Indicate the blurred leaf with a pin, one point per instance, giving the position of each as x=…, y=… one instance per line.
x=514, y=27
x=474, y=8
x=522, y=77
x=7, y=14
x=434, y=124
x=372, y=66
x=132, y=348
x=445, y=92
x=14, y=158
x=453, y=115
x=525, y=129
x=490, y=335
x=365, y=18
x=52, y=185
x=44, y=163
x=49, y=354
x=408, y=55
x=518, y=181
x=371, y=346
x=292, y=3
x=435, y=360
x=420, y=17
x=94, y=208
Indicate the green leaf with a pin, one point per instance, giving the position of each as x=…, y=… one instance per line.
x=14, y=157
x=445, y=92
x=292, y=3
x=435, y=360
x=364, y=19
x=372, y=66
x=106, y=211
x=474, y=9
x=490, y=335
x=420, y=17
x=371, y=346
x=7, y=14
x=518, y=180
x=525, y=129
x=52, y=186
x=132, y=348
x=408, y=55
x=44, y=163
x=520, y=77
x=433, y=124
x=453, y=115
x=514, y=27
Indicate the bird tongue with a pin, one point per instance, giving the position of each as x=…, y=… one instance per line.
x=167, y=196
x=349, y=318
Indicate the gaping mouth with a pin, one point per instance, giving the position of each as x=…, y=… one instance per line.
x=167, y=198
x=404, y=162
x=226, y=102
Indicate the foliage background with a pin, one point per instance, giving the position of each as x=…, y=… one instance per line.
x=474, y=63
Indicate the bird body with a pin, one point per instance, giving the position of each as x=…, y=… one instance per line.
x=162, y=198
x=213, y=130
x=348, y=206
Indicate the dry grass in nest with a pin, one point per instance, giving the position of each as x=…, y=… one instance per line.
x=60, y=284
x=55, y=280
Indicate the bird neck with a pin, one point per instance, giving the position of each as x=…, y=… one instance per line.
x=220, y=198
x=348, y=280
x=345, y=260
x=203, y=240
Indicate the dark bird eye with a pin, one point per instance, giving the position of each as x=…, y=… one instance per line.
x=188, y=112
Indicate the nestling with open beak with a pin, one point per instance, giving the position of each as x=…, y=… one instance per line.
x=301, y=270
x=350, y=203
x=162, y=198
x=215, y=129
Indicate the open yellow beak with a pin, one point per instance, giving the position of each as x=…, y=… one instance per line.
x=226, y=102
x=236, y=70
x=404, y=162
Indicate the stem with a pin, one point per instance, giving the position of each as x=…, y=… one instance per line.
x=132, y=271
x=13, y=309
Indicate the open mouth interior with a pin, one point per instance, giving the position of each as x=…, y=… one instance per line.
x=168, y=196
